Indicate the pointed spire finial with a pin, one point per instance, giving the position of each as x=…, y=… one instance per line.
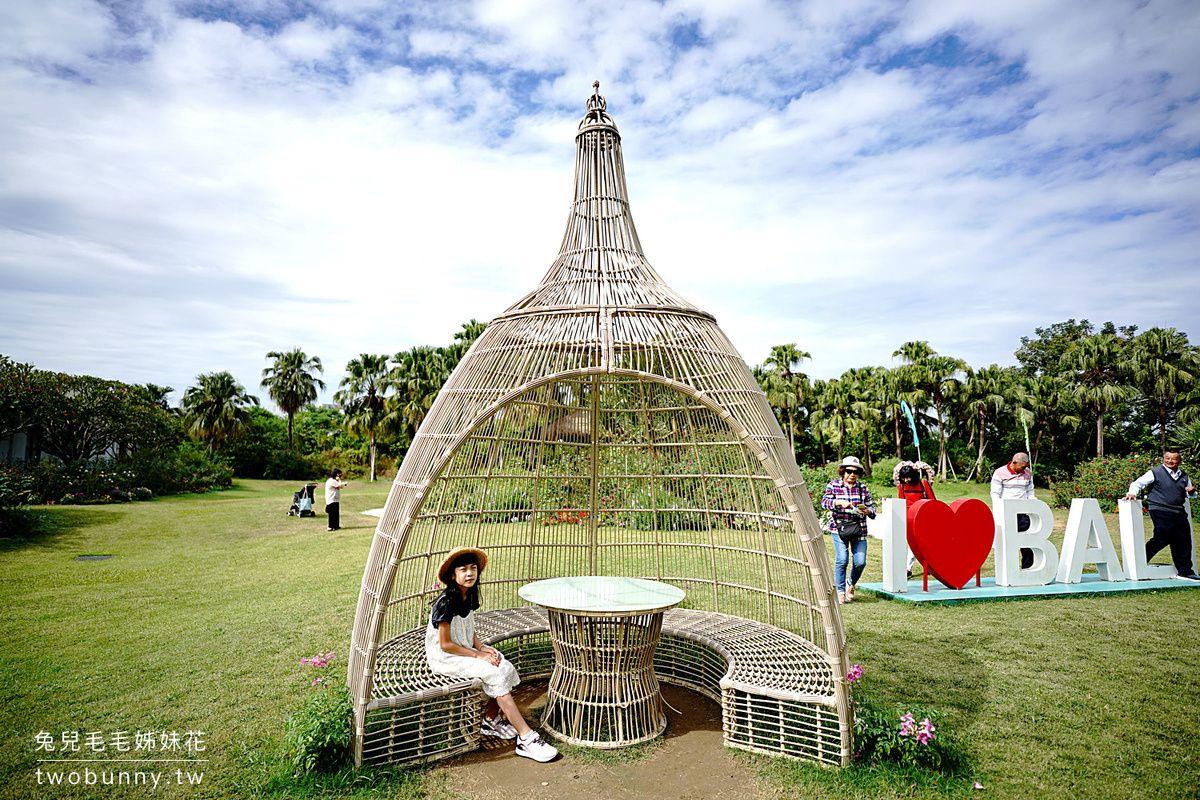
x=596, y=101
x=596, y=108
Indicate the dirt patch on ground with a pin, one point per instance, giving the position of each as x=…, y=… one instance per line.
x=688, y=763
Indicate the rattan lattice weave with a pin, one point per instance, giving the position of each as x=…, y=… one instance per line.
x=767, y=682
x=603, y=425
x=603, y=692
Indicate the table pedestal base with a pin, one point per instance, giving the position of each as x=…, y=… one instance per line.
x=603, y=692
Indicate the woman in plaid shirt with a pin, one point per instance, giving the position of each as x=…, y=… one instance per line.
x=848, y=499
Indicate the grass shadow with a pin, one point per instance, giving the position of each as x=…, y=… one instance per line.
x=37, y=526
x=398, y=783
x=900, y=672
x=797, y=779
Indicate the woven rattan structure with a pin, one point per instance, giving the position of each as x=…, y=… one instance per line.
x=603, y=425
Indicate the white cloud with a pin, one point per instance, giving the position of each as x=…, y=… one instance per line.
x=180, y=194
x=65, y=33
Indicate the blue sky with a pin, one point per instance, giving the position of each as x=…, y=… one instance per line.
x=186, y=186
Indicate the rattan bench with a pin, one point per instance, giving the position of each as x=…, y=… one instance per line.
x=776, y=690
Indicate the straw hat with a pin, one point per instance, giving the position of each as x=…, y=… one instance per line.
x=446, y=572
x=848, y=462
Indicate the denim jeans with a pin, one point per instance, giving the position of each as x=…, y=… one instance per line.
x=842, y=560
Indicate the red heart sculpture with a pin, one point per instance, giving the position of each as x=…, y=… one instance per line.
x=952, y=541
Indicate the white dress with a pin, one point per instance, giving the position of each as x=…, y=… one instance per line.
x=497, y=681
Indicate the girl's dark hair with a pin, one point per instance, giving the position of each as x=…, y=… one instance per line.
x=335, y=473
x=462, y=560
x=908, y=473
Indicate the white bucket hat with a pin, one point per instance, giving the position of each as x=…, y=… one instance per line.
x=850, y=461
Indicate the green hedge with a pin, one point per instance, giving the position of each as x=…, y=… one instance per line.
x=159, y=471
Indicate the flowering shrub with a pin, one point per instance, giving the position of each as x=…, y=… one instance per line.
x=1106, y=478
x=173, y=470
x=901, y=734
x=15, y=491
x=908, y=727
x=567, y=516
x=319, y=733
x=15, y=487
x=320, y=661
x=886, y=734
x=816, y=479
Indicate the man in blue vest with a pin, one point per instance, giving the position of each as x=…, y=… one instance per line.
x=1168, y=489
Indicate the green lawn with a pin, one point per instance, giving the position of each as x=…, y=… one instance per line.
x=202, y=617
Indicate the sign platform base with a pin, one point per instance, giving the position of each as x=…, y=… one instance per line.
x=1091, y=584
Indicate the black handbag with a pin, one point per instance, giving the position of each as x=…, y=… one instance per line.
x=851, y=528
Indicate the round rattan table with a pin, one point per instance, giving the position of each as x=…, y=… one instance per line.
x=604, y=630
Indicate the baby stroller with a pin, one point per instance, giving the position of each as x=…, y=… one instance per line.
x=302, y=502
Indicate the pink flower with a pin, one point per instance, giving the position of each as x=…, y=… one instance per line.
x=908, y=725
x=925, y=735
x=319, y=660
x=854, y=674
x=977, y=785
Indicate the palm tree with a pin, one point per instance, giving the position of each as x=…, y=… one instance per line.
x=1098, y=362
x=786, y=358
x=895, y=387
x=817, y=413
x=1164, y=368
x=463, y=340
x=1189, y=406
x=864, y=385
x=1187, y=439
x=361, y=396
x=290, y=382
x=154, y=394
x=934, y=376
x=417, y=377
x=984, y=392
x=1042, y=401
x=781, y=396
x=912, y=352
x=834, y=412
x=470, y=332
x=216, y=411
x=790, y=391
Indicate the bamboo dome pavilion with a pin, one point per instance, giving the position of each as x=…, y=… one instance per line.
x=601, y=425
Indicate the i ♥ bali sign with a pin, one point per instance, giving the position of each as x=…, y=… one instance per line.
x=955, y=540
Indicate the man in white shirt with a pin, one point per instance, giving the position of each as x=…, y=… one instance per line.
x=333, y=499
x=1014, y=481
x=1168, y=490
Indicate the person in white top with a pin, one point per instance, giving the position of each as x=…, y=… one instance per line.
x=452, y=647
x=1168, y=490
x=1014, y=481
x=333, y=498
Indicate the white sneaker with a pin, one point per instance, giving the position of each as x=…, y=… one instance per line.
x=499, y=727
x=533, y=746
